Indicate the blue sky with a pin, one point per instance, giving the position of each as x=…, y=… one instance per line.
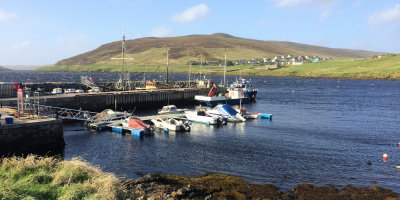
x=43, y=31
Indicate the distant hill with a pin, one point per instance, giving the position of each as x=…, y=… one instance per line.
x=152, y=50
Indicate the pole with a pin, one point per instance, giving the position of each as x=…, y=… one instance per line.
x=190, y=71
x=167, y=65
x=225, y=71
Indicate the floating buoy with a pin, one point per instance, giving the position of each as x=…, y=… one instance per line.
x=399, y=144
x=385, y=156
x=397, y=167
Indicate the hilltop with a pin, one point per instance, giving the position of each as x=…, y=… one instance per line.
x=182, y=49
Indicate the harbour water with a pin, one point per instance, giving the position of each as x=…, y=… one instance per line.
x=322, y=132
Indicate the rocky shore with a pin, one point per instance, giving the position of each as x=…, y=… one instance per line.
x=221, y=186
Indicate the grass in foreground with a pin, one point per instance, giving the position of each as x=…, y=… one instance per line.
x=49, y=178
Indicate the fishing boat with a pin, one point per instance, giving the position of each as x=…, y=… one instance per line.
x=245, y=114
x=234, y=96
x=201, y=116
x=170, y=109
x=226, y=111
x=247, y=88
x=170, y=124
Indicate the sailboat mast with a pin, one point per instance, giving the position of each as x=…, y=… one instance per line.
x=225, y=71
x=190, y=71
x=167, y=64
x=123, y=58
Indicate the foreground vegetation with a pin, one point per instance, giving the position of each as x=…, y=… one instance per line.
x=386, y=67
x=50, y=178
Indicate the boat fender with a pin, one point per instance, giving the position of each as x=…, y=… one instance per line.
x=166, y=130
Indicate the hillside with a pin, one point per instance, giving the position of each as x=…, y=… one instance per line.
x=182, y=49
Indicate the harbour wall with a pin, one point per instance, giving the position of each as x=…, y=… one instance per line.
x=126, y=100
x=43, y=136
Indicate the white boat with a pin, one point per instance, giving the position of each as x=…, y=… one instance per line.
x=70, y=90
x=170, y=109
x=228, y=112
x=56, y=91
x=200, y=116
x=247, y=115
x=170, y=124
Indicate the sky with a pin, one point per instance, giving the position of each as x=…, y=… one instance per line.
x=42, y=32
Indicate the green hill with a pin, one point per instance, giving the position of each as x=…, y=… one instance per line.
x=183, y=49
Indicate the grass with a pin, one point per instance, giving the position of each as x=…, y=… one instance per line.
x=49, y=178
x=386, y=67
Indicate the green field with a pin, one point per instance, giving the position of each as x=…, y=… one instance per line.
x=386, y=67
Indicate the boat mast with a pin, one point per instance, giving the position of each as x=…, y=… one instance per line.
x=167, y=65
x=190, y=71
x=123, y=59
x=225, y=71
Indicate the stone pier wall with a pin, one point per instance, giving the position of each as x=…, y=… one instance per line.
x=43, y=136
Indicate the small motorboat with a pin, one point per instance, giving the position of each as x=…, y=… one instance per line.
x=136, y=126
x=201, y=116
x=245, y=114
x=170, y=109
x=70, y=90
x=171, y=124
x=228, y=112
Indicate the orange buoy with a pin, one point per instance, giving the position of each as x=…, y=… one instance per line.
x=385, y=156
x=399, y=144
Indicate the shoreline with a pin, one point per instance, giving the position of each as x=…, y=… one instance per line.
x=35, y=177
x=222, y=186
x=218, y=74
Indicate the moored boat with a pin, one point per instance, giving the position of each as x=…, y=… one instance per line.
x=171, y=124
x=226, y=111
x=200, y=116
x=234, y=96
x=170, y=109
x=245, y=114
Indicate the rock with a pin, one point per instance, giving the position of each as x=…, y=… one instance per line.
x=179, y=192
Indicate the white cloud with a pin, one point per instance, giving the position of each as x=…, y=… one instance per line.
x=389, y=15
x=21, y=45
x=324, y=15
x=161, y=32
x=192, y=14
x=315, y=4
x=6, y=15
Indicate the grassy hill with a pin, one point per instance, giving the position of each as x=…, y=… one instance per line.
x=386, y=67
x=212, y=48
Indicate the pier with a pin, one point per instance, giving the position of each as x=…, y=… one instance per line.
x=119, y=100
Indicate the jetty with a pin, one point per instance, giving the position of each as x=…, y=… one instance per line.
x=119, y=100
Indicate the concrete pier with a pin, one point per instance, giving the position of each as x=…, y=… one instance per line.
x=121, y=100
x=42, y=136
